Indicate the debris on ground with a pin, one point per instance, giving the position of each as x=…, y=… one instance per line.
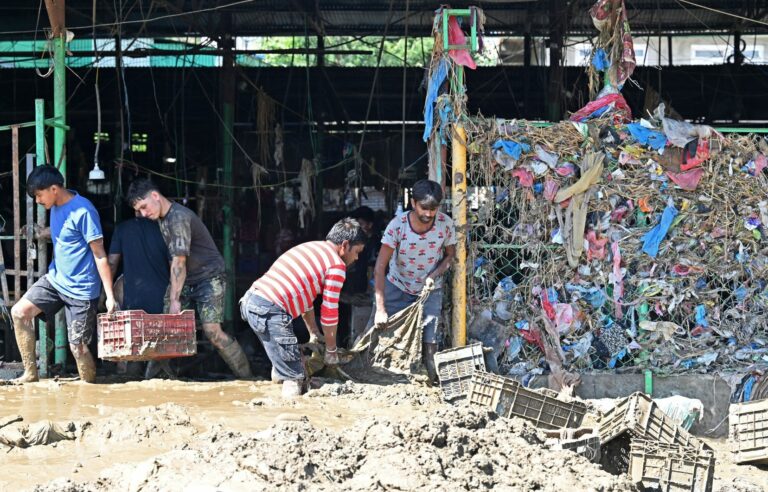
x=460, y=448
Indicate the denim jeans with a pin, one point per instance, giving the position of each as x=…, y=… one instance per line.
x=396, y=300
x=273, y=327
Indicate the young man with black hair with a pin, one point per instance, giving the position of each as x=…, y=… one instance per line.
x=197, y=269
x=288, y=290
x=72, y=281
x=418, y=247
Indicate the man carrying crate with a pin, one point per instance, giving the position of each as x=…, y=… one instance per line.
x=288, y=290
x=72, y=281
x=197, y=269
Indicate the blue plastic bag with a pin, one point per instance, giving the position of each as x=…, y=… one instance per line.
x=651, y=138
x=511, y=148
x=655, y=236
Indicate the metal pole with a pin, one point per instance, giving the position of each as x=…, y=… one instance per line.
x=16, y=214
x=60, y=161
x=459, y=202
x=227, y=129
x=42, y=247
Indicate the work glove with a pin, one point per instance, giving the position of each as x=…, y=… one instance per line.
x=429, y=284
x=316, y=339
x=331, y=358
x=380, y=320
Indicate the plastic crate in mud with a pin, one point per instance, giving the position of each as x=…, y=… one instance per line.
x=670, y=467
x=135, y=335
x=748, y=432
x=641, y=417
x=508, y=398
x=455, y=368
x=587, y=446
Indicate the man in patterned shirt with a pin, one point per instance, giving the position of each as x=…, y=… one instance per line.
x=418, y=246
x=288, y=290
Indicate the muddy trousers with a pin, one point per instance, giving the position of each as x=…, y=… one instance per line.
x=274, y=329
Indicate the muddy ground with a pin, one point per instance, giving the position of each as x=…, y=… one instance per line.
x=172, y=435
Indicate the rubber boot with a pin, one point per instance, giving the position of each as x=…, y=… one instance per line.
x=235, y=358
x=275, y=377
x=155, y=367
x=86, y=367
x=25, y=339
x=428, y=351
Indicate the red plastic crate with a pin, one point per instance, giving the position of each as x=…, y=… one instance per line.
x=136, y=335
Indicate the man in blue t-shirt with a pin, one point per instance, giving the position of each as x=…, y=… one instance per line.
x=72, y=281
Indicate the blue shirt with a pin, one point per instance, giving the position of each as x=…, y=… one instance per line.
x=146, y=264
x=73, y=269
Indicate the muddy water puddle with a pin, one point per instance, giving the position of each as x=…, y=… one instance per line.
x=238, y=405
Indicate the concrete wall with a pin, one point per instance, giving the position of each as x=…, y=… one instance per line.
x=713, y=392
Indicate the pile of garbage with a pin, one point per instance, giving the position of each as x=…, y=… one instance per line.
x=631, y=244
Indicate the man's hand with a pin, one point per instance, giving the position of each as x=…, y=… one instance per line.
x=381, y=319
x=316, y=338
x=429, y=284
x=331, y=358
x=111, y=305
x=175, y=307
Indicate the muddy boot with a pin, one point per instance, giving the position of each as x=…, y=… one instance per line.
x=428, y=351
x=235, y=358
x=86, y=367
x=293, y=388
x=25, y=339
x=159, y=367
x=275, y=377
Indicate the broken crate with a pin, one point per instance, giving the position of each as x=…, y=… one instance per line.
x=509, y=398
x=670, y=467
x=748, y=432
x=455, y=368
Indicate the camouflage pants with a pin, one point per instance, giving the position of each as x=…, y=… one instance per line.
x=205, y=297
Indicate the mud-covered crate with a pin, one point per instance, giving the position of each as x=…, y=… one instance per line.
x=642, y=418
x=508, y=398
x=670, y=467
x=135, y=335
x=748, y=432
x=491, y=390
x=455, y=368
x=587, y=445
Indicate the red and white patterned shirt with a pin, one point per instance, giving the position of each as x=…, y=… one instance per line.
x=416, y=255
x=300, y=274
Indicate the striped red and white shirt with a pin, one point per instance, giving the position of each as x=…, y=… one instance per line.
x=300, y=274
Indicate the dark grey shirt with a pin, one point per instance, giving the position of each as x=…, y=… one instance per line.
x=186, y=235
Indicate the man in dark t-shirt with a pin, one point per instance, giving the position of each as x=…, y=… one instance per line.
x=140, y=245
x=197, y=279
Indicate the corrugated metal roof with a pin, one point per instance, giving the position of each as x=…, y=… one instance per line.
x=360, y=17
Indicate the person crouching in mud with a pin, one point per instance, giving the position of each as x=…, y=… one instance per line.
x=289, y=289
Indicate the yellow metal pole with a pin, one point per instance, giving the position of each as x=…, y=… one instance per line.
x=459, y=200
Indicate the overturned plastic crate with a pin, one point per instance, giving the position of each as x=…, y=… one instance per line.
x=135, y=335
x=641, y=417
x=455, y=368
x=748, y=432
x=670, y=467
x=508, y=398
x=587, y=446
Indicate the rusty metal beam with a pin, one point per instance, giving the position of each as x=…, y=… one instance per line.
x=56, y=15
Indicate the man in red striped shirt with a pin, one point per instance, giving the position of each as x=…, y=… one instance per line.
x=288, y=290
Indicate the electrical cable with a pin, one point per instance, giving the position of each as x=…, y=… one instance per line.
x=375, y=77
x=723, y=12
x=145, y=21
